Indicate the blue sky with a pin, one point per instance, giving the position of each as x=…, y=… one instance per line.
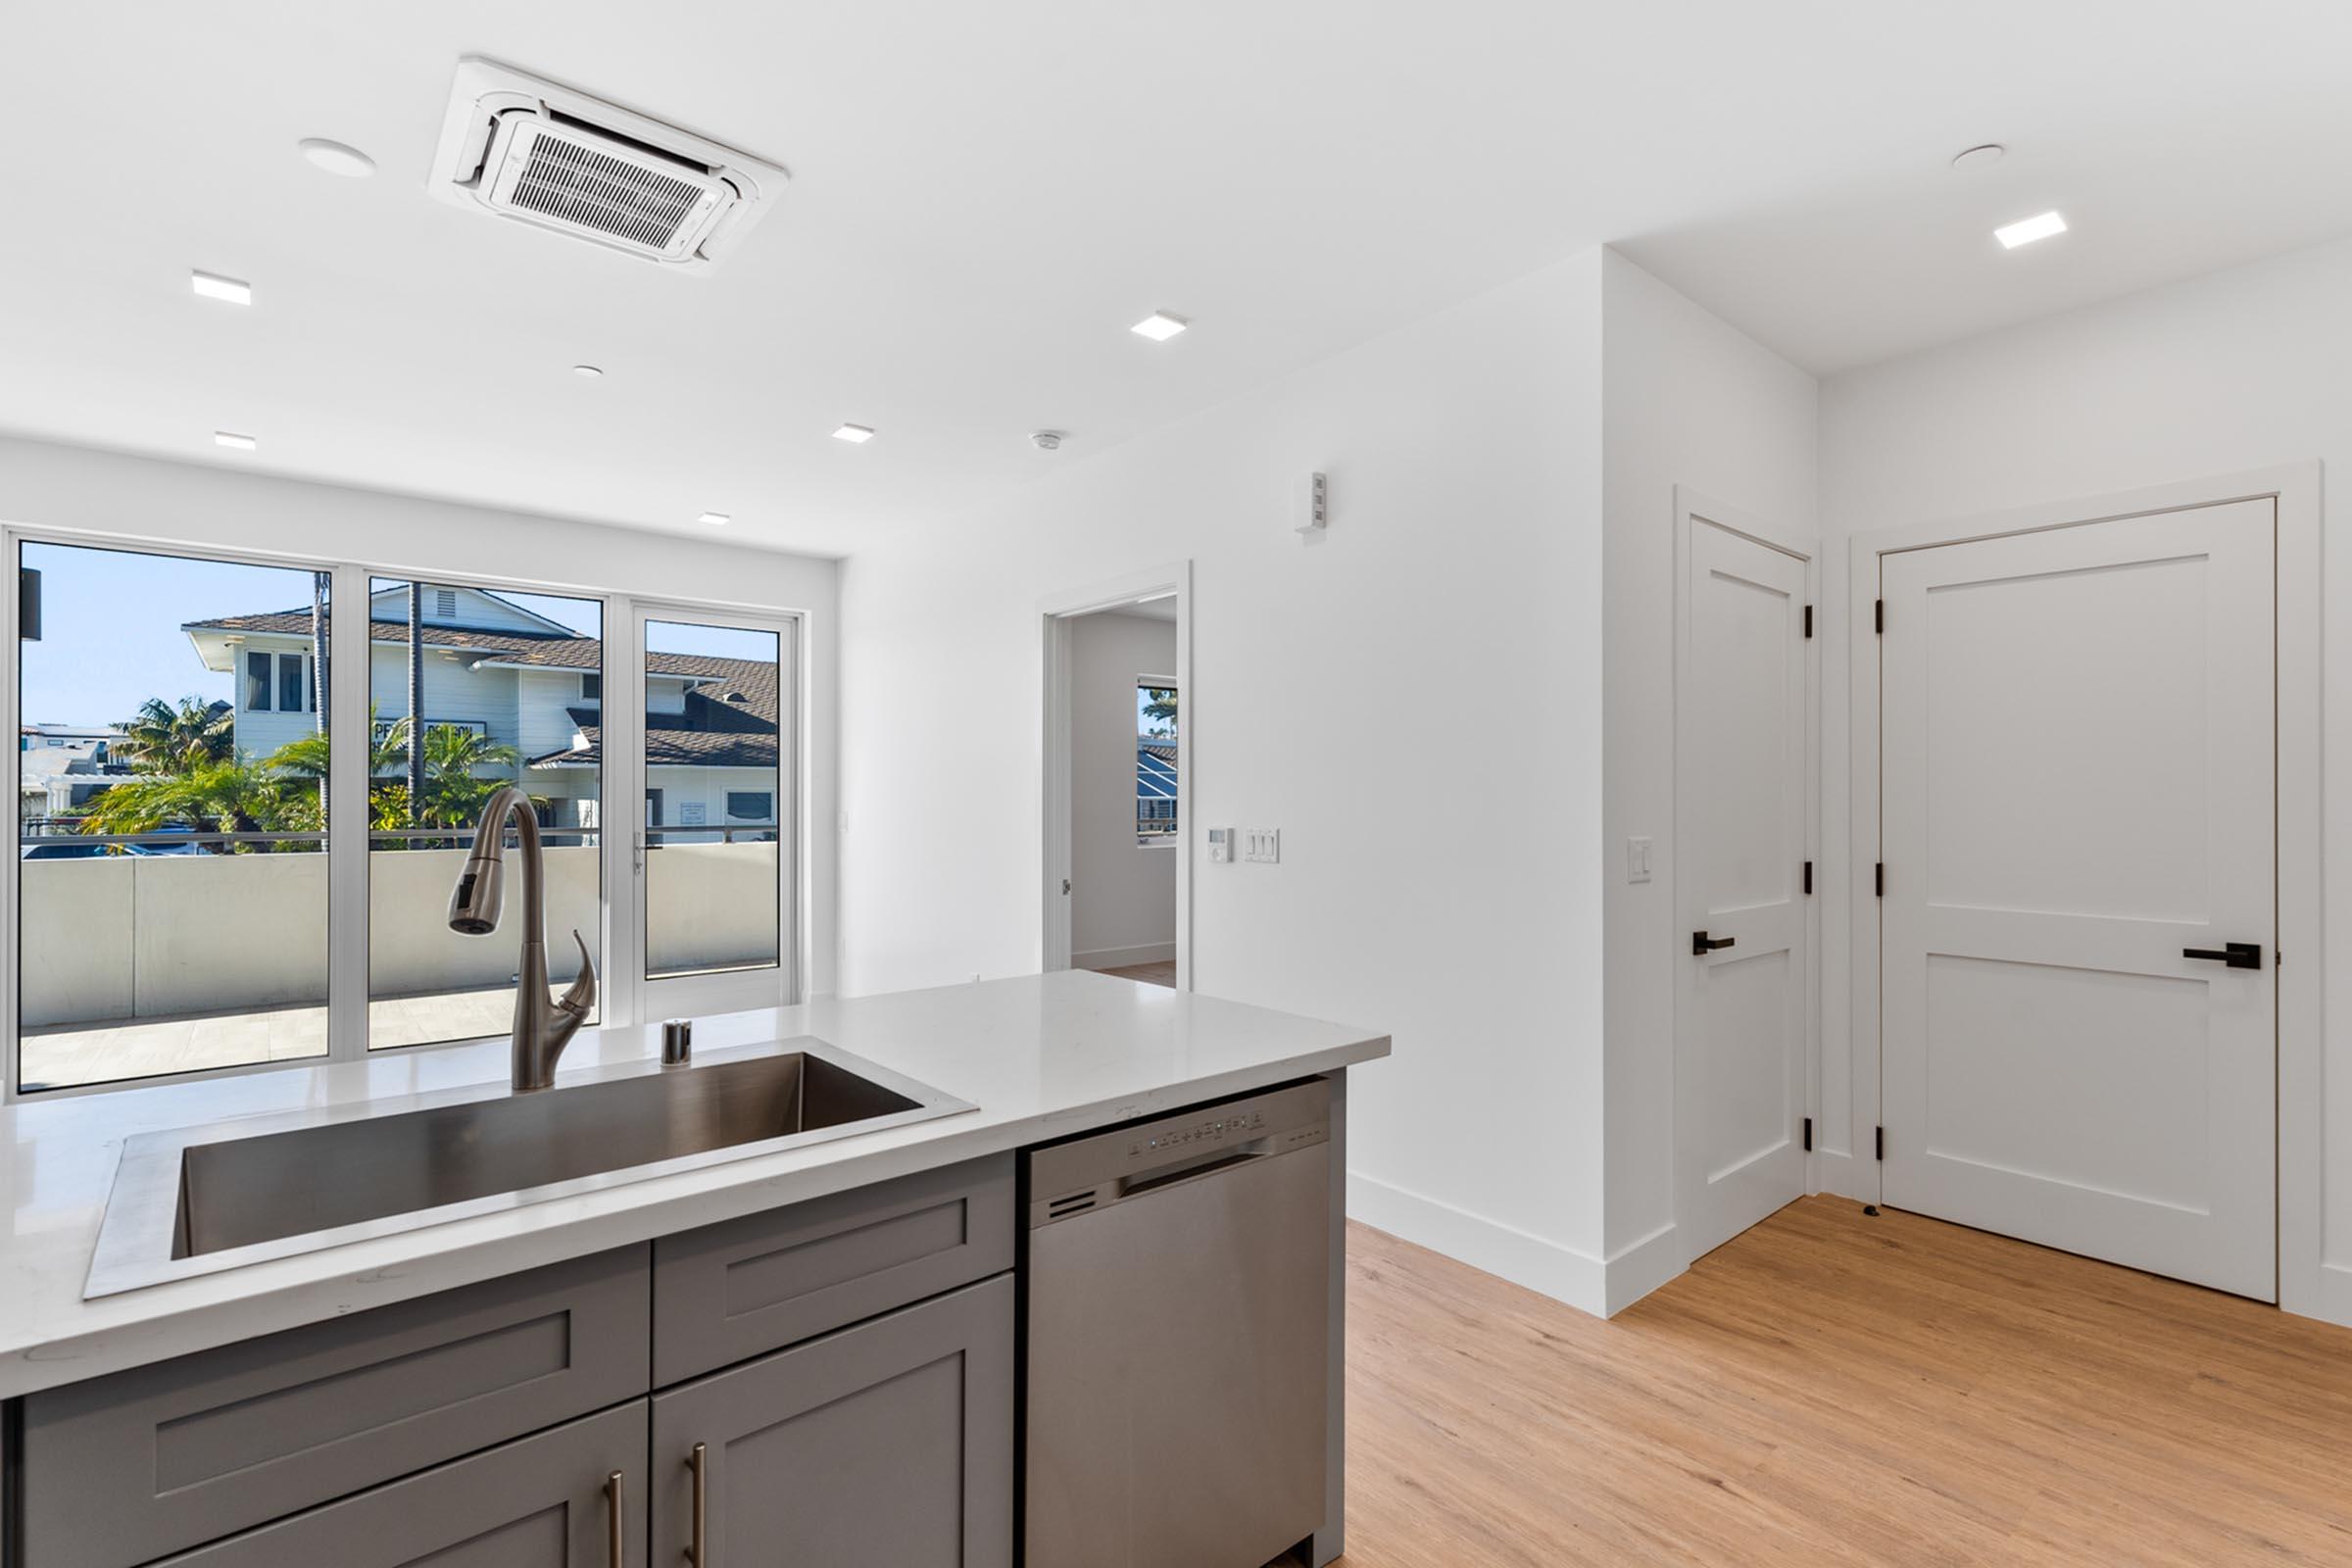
x=111, y=618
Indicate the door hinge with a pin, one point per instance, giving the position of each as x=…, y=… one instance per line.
x=1877, y=615
x=1808, y=878
x=1881, y=879
x=1809, y=621
x=1881, y=1144
x=1808, y=1135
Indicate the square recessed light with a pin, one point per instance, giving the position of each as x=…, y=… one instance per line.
x=856, y=434
x=2027, y=231
x=213, y=286
x=1160, y=326
x=716, y=520
x=233, y=441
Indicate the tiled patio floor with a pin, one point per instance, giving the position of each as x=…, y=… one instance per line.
x=99, y=1052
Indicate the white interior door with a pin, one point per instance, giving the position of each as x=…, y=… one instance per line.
x=2078, y=798
x=1742, y=801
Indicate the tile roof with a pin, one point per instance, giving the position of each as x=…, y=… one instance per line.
x=730, y=717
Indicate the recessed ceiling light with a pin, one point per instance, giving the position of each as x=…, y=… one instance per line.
x=337, y=159
x=2027, y=231
x=716, y=520
x=1160, y=326
x=233, y=441
x=1984, y=156
x=588, y=372
x=213, y=286
x=857, y=434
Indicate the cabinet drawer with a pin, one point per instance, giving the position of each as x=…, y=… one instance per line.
x=884, y=1446
x=543, y=1502
x=728, y=1291
x=125, y=1468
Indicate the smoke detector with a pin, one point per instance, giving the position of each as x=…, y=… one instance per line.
x=518, y=146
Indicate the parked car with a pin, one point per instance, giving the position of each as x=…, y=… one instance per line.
x=62, y=850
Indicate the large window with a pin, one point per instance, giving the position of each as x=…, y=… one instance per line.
x=487, y=695
x=190, y=725
x=172, y=856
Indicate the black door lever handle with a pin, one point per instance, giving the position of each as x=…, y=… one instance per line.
x=1700, y=946
x=2236, y=954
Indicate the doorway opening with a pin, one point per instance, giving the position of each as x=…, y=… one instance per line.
x=1118, y=708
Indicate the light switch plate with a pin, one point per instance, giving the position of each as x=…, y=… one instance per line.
x=1261, y=845
x=1636, y=860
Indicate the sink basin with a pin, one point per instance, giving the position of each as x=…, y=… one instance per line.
x=199, y=1199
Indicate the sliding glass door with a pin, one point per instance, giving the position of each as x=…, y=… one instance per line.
x=469, y=690
x=714, y=862
x=172, y=824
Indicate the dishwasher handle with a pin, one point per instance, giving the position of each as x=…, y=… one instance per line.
x=1171, y=1174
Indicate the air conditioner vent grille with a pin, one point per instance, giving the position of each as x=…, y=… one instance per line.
x=579, y=186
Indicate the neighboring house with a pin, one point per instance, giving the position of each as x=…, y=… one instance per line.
x=1156, y=788
x=495, y=667
x=60, y=767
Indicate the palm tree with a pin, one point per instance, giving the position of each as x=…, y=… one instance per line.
x=228, y=794
x=1161, y=708
x=170, y=738
x=305, y=758
x=455, y=790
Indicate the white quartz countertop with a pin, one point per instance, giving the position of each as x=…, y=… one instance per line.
x=1041, y=1056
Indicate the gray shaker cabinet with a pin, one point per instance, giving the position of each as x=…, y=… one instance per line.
x=884, y=1446
x=546, y=1501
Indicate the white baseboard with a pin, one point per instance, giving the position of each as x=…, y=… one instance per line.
x=1122, y=958
x=2330, y=1303
x=1560, y=1272
x=1635, y=1271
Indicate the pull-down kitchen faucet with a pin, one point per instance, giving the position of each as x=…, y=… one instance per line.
x=542, y=1029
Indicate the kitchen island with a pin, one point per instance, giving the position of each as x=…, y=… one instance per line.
x=370, y=1324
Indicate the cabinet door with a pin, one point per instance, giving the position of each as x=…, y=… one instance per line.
x=884, y=1446
x=546, y=1501
x=131, y=1467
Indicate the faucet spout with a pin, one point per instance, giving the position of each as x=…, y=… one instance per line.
x=543, y=1027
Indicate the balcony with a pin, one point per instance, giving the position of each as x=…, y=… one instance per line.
x=181, y=952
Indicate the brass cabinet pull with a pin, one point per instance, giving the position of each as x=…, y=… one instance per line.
x=621, y=1549
x=698, y=1461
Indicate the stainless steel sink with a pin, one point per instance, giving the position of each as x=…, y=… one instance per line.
x=195, y=1200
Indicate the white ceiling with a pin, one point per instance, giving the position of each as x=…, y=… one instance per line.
x=985, y=195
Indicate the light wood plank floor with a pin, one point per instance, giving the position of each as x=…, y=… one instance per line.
x=1153, y=974
x=1834, y=1389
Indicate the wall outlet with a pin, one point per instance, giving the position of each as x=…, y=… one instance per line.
x=1262, y=845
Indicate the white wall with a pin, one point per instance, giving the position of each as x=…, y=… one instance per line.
x=44, y=485
x=1123, y=894
x=1414, y=701
x=1688, y=401
x=2242, y=369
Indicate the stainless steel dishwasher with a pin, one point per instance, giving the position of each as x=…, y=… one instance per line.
x=1178, y=1283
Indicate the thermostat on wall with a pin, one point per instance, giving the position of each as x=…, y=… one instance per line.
x=1220, y=844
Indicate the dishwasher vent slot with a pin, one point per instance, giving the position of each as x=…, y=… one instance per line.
x=1071, y=1203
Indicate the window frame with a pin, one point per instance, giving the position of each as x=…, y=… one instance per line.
x=621, y=1003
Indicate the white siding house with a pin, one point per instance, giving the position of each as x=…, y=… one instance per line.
x=530, y=683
